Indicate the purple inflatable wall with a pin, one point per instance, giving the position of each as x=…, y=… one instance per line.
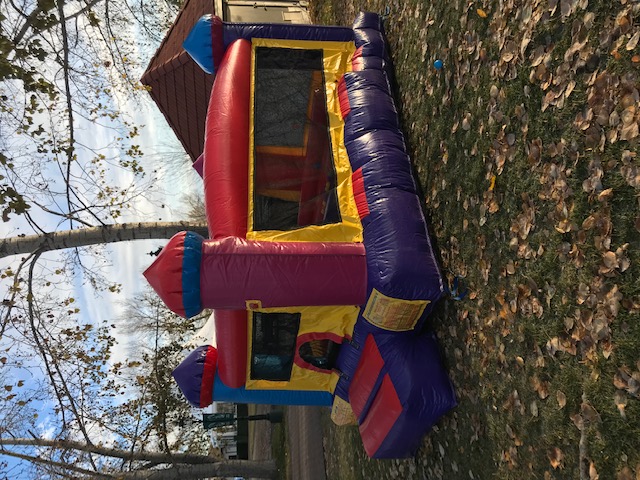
x=397, y=403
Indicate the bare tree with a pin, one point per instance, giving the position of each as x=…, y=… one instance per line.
x=149, y=465
x=157, y=339
x=71, y=167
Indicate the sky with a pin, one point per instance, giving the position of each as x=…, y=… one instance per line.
x=174, y=180
x=126, y=261
x=172, y=177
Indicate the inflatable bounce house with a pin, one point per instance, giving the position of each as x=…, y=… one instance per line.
x=319, y=268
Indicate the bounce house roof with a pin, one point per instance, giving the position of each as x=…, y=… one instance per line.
x=179, y=86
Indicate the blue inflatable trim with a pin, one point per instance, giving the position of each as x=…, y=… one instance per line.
x=222, y=393
x=191, y=274
x=199, y=44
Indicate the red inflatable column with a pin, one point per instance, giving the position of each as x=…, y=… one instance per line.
x=226, y=144
x=240, y=273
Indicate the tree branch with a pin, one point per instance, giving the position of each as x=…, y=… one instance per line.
x=160, y=458
x=67, y=90
x=52, y=463
x=11, y=301
x=38, y=10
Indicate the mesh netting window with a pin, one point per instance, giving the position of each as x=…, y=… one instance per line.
x=273, y=345
x=294, y=173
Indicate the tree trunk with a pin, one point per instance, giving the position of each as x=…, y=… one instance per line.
x=227, y=468
x=83, y=237
x=177, y=466
x=154, y=457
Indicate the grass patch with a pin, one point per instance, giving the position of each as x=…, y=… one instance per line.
x=520, y=152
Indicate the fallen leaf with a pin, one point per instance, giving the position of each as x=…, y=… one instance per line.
x=555, y=457
x=533, y=407
x=481, y=13
x=633, y=42
x=623, y=21
x=593, y=473
x=628, y=114
x=605, y=195
x=589, y=414
x=541, y=387
x=620, y=400
x=609, y=259
x=625, y=474
x=578, y=421
x=629, y=132
x=509, y=51
x=564, y=226
x=466, y=122
x=510, y=432
x=623, y=260
x=562, y=398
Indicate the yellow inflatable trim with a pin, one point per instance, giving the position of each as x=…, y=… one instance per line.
x=333, y=323
x=336, y=61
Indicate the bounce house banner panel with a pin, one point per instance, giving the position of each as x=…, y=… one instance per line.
x=226, y=144
x=299, y=173
x=273, y=340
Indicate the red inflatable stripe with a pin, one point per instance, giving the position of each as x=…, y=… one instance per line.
x=208, y=374
x=366, y=376
x=356, y=61
x=359, y=194
x=343, y=98
x=384, y=411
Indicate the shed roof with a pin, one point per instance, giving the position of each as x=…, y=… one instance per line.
x=177, y=84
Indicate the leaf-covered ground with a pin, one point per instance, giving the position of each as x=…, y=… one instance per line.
x=525, y=145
